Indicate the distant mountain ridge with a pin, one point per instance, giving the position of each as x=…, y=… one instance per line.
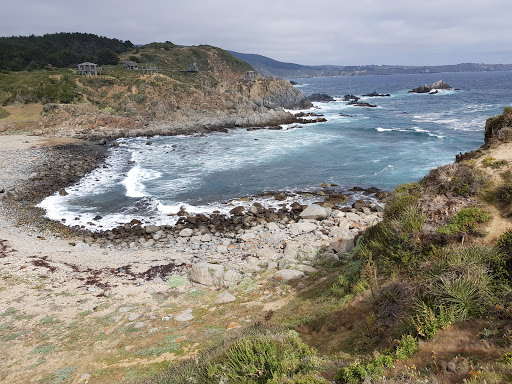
x=270, y=67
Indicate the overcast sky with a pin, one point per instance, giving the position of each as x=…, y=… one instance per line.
x=340, y=32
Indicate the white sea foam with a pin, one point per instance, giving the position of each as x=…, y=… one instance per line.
x=134, y=180
x=387, y=168
x=450, y=121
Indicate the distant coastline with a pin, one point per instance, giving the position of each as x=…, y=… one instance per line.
x=270, y=67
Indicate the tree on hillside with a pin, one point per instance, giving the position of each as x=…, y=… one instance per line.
x=18, y=53
x=107, y=57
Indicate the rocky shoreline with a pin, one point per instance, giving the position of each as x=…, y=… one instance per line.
x=246, y=240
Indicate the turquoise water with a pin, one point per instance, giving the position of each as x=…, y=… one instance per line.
x=399, y=141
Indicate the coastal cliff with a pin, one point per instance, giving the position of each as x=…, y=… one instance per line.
x=131, y=103
x=240, y=103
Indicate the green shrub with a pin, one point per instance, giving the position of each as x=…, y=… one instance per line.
x=301, y=379
x=357, y=372
x=427, y=321
x=406, y=347
x=506, y=358
x=503, y=194
x=260, y=358
x=3, y=113
x=393, y=242
x=464, y=295
x=466, y=220
x=493, y=163
x=460, y=178
x=502, y=263
x=404, y=196
x=348, y=279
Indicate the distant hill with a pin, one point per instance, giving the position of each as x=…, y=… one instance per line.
x=270, y=67
x=19, y=53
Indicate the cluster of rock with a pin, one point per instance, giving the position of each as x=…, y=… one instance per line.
x=286, y=245
x=300, y=118
x=375, y=94
x=431, y=89
x=320, y=97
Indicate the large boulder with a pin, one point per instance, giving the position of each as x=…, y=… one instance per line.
x=231, y=277
x=298, y=228
x=207, y=274
x=186, y=232
x=315, y=212
x=152, y=229
x=288, y=274
x=344, y=242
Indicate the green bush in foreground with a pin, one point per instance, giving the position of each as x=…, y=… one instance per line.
x=392, y=244
x=259, y=359
x=259, y=355
x=466, y=220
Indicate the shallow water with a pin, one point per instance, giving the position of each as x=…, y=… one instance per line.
x=399, y=141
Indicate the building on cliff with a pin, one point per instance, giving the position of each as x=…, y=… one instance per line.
x=88, y=69
x=130, y=65
x=250, y=75
x=191, y=68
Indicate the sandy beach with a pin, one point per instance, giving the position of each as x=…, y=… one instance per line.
x=47, y=282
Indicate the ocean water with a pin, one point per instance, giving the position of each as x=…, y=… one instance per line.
x=399, y=141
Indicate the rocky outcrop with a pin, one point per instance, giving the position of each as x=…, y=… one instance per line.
x=320, y=97
x=431, y=88
x=350, y=97
x=499, y=127
x=265, y=92
x=241, y=103
x=361, y=104
x=375, y=94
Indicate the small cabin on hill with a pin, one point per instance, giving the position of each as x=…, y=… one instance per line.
x=192, y=68
x=130, y=65
x=250, y=75
x=88, y=69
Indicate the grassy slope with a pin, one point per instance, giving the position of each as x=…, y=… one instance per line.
x=427, y=290
x=127, y=93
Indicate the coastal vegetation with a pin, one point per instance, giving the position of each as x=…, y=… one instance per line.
x=161, y=89
x=65, y=86
x=423, y=275
x=425, y=295
x=20, y=53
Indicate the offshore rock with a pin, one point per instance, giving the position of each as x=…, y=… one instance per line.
x=321, y=97
x=428, y=88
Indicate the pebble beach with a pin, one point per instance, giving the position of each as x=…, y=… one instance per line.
x=132, y=273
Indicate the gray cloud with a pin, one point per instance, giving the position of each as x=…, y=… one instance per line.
x=326, y=32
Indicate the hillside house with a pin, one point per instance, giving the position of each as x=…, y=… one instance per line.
x=192, y=68
x=88, y=69
x=130, y=65
x=250, y=75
